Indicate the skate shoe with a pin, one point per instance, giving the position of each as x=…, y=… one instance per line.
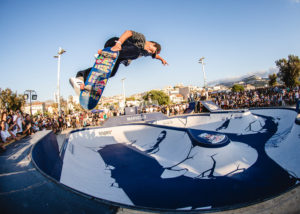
x=76, y=83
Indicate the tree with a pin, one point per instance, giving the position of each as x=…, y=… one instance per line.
x=272, y=80
x=47, y=114
x=237, y=88
x=70, y=99
x=289, y=70
x=37, y=113
x=11, y=100
x=130, y=99
x=55, y=108
x=160, y=96
x=63, y=104
x=78, y=107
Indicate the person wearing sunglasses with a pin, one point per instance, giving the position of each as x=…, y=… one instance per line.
x=131, y=45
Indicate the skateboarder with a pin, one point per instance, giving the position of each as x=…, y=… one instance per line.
x=131, y=45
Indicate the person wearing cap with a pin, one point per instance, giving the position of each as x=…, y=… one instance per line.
x=131, y=45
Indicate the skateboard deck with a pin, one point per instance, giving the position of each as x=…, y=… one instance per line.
x=97, y=79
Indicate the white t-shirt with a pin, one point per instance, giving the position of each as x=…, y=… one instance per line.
x=19, y=122
x=4, y=135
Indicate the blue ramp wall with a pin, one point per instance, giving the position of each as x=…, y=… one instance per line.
x=46, y=157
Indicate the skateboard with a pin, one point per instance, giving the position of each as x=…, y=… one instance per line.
x=97, y=79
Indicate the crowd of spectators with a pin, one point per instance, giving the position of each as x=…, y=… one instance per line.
x=262, y=97
x=16, y=125
x=13, y=125
x=85, y=119
x=169, y=110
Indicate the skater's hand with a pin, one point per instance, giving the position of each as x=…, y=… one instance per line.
x=117, y=47
x=164, y=62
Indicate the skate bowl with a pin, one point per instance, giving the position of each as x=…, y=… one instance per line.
x=195, y=163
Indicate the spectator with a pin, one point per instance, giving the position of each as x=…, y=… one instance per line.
x=28, y=130
x=18, y=118
x=2, y=147
x=13, y=126
x=6, y=135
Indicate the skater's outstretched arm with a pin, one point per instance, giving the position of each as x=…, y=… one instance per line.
x=150, y=46
x=118, y=46
x=164, y=62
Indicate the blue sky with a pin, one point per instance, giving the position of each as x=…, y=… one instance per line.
x=236, y=37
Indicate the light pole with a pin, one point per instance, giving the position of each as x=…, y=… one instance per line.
x=201, y=60
x=32, y=96
x=60, y=52
x=124, y=98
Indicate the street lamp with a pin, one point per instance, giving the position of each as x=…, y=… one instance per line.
x=32, y=96
x=60, y=52
x=201, y=60
x=124, y=98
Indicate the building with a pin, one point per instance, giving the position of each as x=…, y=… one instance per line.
x=109, y=101
x=249, y=87
x=168, y=89
x=220, y=88
x=72, y=101
x=184, y=91
x=36, y=107
x=176, y=98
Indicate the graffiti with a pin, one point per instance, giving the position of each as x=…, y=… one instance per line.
x=155, y=147
x=160, y=167
x=212, y=138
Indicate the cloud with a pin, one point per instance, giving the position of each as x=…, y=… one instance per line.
x=263, y=74
x=295, y=1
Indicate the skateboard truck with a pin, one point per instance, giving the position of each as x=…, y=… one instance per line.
x=108, y=54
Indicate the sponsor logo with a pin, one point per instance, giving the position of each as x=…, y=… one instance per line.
x=95, y=95
x=99, y=61
x=107, y=62
x=103, y=68
x=94, y=77
x=105, y=133
x=167, y=122
x=212, y=138
x=139, y=117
